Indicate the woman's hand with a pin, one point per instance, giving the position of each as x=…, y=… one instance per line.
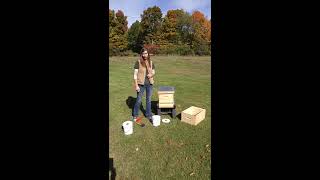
x=137, y=88
x=149, y=75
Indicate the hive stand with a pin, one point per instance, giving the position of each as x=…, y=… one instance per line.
x=171, y=111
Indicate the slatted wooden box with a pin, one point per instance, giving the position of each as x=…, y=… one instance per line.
x=193, y=115
x=166, y=96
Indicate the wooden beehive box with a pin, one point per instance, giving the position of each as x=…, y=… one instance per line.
x=166, y=96
x=193, y=115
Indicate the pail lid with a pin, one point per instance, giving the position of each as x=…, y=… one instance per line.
x=166, y=120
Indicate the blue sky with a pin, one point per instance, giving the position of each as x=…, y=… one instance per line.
x=134, y=8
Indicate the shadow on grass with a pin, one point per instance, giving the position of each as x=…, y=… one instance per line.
x=131, y=101
x=179, y=116
x=112, y=169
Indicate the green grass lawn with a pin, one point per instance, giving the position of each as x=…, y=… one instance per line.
x=176, y=150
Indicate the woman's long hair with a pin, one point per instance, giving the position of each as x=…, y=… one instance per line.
x=141, y=58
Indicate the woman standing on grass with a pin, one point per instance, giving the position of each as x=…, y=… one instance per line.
x=143, y=80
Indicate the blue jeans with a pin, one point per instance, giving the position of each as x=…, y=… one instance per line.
x=148, y=88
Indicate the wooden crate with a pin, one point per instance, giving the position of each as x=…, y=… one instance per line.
x=193, y=115
x=169, y=105
x=166, y=97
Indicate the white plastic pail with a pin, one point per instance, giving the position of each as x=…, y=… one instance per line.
x=156, y=120
x=127, y=127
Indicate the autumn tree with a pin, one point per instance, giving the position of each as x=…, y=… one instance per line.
x=185, y=28
x=202, y=33
x=118, y=29
x=133, y=37
x=179, y=32
x=151, y=20
x=169, y=28
x=112, y=24
x=112, y=20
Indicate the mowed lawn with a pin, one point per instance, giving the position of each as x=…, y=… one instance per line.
x=176, y=150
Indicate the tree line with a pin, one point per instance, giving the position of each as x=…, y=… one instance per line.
x=177, y=33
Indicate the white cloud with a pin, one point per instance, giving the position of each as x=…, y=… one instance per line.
x=190, y=5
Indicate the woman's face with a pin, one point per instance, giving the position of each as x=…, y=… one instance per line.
x=145, y=54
